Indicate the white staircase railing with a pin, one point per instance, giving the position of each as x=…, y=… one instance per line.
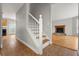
x=33, y=18
x=35, y=26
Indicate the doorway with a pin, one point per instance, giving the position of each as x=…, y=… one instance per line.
x=4, y=32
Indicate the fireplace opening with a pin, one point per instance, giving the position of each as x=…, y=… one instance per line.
x=60, y=29
x=4, y=32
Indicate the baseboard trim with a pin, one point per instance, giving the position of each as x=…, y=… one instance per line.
x=28, y=46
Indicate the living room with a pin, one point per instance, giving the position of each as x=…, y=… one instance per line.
x=65, y=25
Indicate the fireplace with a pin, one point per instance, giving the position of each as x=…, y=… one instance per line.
x=60, y=29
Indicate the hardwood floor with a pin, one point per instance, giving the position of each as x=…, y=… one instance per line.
x=70, y=42
x=56, y=50
x=13, y=47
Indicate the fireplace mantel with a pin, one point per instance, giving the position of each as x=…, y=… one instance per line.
x=59, y=26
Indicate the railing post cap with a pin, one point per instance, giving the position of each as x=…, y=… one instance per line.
x=40, y=16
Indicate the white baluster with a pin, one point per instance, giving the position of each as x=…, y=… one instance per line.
x=40, y=32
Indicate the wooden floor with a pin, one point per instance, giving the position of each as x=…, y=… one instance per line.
x=70, y=42
x=12, y=47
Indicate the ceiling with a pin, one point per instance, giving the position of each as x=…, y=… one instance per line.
x=9, y=9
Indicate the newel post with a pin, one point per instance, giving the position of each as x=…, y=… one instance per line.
x=40, y=31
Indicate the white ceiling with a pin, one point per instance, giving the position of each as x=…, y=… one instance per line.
x=9, y=9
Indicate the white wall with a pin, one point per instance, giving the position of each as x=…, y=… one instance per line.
x=22, y=25
x=11, y=27
x=78, y=18
x=64, y=10
x=70, y=25
x=78, y=25
x=66, y=14
x=0, y=24
x=66, y=22
x=9, y=9
x=75, y=25
x=43, y=8
x=9, y=15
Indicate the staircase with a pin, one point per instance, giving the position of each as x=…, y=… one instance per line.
x=35, y=26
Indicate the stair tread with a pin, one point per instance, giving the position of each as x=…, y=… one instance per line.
x=44, y=41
